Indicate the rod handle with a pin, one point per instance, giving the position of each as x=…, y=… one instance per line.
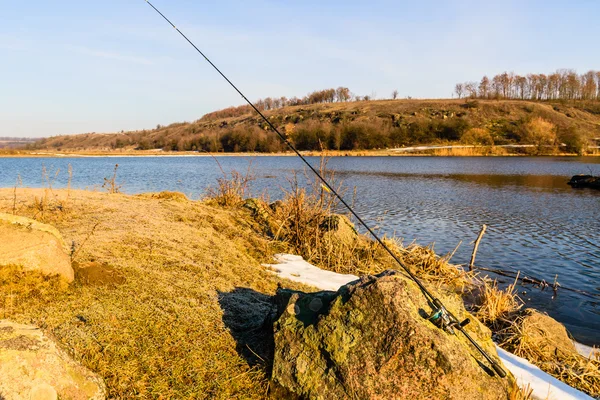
x=501, y=373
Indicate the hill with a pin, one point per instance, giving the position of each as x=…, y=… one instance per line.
x=363, y=125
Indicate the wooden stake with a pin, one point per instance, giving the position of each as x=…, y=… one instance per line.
x=472, y=263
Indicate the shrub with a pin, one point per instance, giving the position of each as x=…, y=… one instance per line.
x=471, y=104
x=539, y=132
x=573, y=139
x=478, y=136
x=451, y=129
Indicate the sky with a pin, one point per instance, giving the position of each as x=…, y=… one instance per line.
x=74, y=66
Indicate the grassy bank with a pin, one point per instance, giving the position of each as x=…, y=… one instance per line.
x=158, y=275
x=155, y=329
x=434, y=151
x=364, y=125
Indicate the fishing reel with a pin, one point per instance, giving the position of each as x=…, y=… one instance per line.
x=441, y=318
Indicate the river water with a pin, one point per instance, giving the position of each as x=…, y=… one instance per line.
x=536, y=223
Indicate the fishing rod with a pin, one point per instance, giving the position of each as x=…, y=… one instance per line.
x=440, y=316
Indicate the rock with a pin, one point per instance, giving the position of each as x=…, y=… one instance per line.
x=372, y=339
x=339, y=231
x=548, y=336
x=33, y=246
x=33, y=367
x=340, y=225
x=262, y=214
x=585, y=181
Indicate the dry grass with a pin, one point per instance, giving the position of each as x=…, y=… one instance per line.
x=566, y=365
x=470, y=151
x=305, y=221
x=495, y=306
x=426, y=264
x=46, y=203
x=110, y=184
x=160, y=333
x=20, y=290
x=524, y=393
x=232, y=188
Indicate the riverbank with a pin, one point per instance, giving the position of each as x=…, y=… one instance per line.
x=432, y=150
x=158, y=330
x=353, y=126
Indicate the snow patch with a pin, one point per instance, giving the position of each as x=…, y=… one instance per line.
x=545, y=387
x=296, y=269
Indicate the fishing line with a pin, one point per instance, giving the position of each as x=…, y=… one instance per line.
x=441, y=315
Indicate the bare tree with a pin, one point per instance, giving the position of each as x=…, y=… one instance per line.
x=395, y=94
x=342, y=94
x=471, y=89
x=521, y=84
x=484, y=87
x=563, y=84
x=459, y=90
x=589, y=86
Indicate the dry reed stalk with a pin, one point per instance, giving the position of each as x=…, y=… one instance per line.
x=110, y=184
x=426, y=264
x=495, y=305
x=307, y=222
x=232, y=188
x=524, y=393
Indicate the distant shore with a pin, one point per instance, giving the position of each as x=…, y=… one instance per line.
x=433, y=150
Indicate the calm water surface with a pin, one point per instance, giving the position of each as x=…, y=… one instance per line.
x=536, y=222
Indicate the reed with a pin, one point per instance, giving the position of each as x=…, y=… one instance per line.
x=494, y=306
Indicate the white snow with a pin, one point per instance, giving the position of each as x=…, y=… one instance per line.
x=296, y=269
x=545, y=387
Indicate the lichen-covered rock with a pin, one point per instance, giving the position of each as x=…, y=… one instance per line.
x=33, y=246
x=33, y=367
x=372, y=340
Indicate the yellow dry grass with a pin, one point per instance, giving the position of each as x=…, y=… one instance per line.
x=426, y=264
x=160, y=333
x=470, y=151
x=566, y=365
x=495, y=306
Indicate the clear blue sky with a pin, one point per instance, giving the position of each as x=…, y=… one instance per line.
x=101, y=66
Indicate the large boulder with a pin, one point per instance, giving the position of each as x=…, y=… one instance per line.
x=372, y=340
x=33, y=367
x=33, y=246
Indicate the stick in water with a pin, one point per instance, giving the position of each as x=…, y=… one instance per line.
x=472, y=263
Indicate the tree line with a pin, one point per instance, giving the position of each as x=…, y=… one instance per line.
x=341, y=94
x=564, y=84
